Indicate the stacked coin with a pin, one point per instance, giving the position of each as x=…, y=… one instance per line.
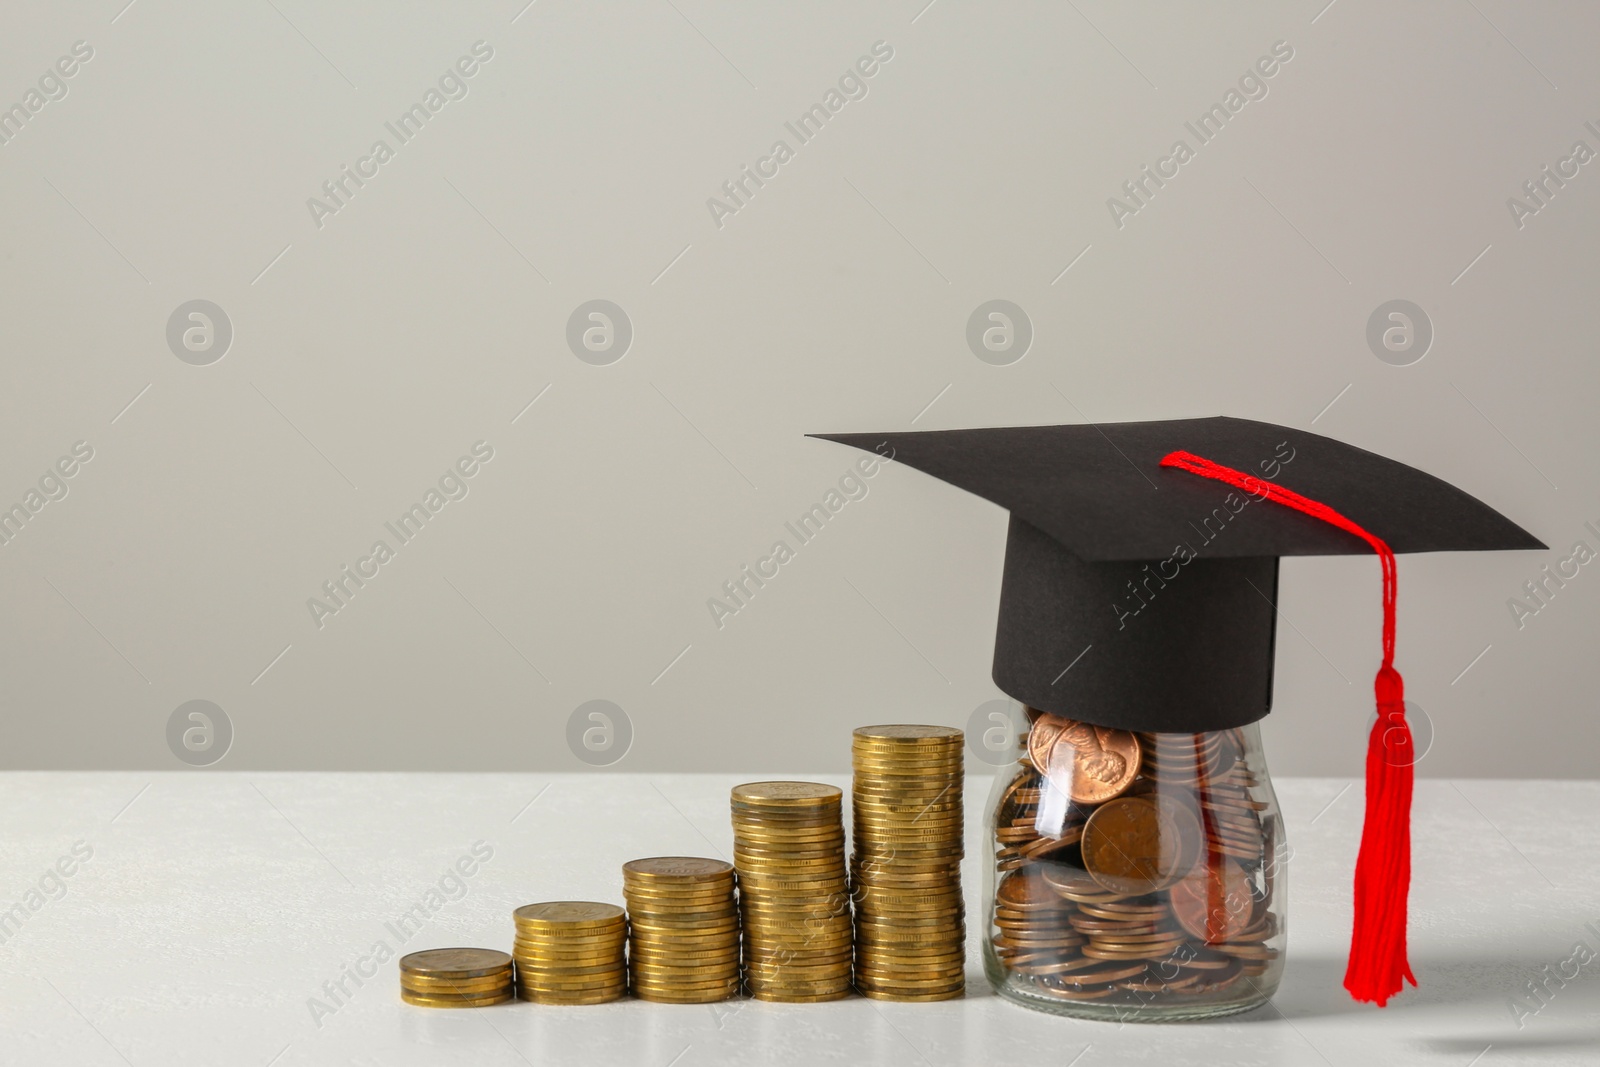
x=683, y=929
x=455, y=978
x=571, y=952
x=1211, y=766
x=788, y=845
x=910, y=924
x=1133, y=865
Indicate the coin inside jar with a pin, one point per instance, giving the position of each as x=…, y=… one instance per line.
x=1137, y=844
x=1090, y=764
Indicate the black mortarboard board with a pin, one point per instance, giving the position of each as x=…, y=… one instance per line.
x=1140, y=597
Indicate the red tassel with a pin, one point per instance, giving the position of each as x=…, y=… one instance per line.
x=1378, y=968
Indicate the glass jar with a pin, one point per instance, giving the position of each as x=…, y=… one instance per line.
x=1135, y=876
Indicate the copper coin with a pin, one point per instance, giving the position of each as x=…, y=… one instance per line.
x=1025, y=891
x=1135, y=844
x=1042, y=737
x=1091, y=764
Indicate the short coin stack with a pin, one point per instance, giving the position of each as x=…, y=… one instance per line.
x=911, y=934
x=455, y=978
x=683, y=927
x=788, y=845
x=571, y=952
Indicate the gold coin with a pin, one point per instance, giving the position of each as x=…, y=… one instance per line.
x=567, y=959
x=570, y=1001
x=677, y=869
x=779, y=865
x=797, y=936
x=953, y=993
x=554, y=986
x=797, y=920
x=777, y=962
x=786, y=794
x=908, y=734
x=945, y=917
x=788, y=858
x=648, y=955
x=834, y=906
x=796, y=955
x=686, y=919
x=710, y=997
x=800, y=987
x=677, y=961
x=821, y=824
x=897, y=812
x=532, y=992
x=780, y=996
x=789, y=831
x=616, y=973
x=929, y=780
x=675, y=916
x=794, y=975
x=833, y=840
x=760, y=884
x=568, y=964
x=694, y=995
x=708, y=966
x=570, y=969
x=578, y=975
x=573, y=987
x=706, y=893
x=421, y=984
x=798, y=962
x=460, y=987
x=569, y=914
x=919, y=900
x=574, y=939
x=680, y=891
x=684, y=947
x=666, y=928
x=832, y=829
x=689, y=921
x=912, y=984
x=685, y=978
x=870, y=961
x=423, y=1000
x=454, y=962
x=688, y=980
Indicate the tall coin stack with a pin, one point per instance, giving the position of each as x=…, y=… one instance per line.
x=683, y=927
x=571, y=952
x=455, y=978
x=911, y=933
x=788, y=847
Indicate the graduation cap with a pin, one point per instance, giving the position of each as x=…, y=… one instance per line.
x=1140, y=582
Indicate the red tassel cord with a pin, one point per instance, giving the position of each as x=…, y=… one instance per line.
x=1378, y=967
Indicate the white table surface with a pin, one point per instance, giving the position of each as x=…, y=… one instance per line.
x=214, y=906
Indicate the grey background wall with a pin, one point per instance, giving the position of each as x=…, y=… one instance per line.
x=377, y=338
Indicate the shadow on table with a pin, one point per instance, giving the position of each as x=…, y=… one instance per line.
x=1520, y=1042
x=1314, y=987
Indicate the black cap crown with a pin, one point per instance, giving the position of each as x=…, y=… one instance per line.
x=1142, y=597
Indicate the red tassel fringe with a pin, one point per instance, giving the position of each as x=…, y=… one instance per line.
x=1378, y=967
